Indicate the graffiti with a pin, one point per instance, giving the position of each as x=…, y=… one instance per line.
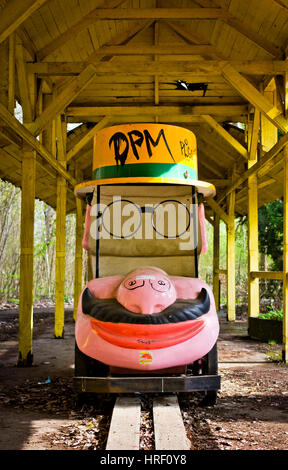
x=135, y=139
x=186, y=150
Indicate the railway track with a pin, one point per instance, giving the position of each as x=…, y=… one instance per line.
x=169, y=429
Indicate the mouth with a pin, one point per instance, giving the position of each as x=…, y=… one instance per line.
x=179, y=322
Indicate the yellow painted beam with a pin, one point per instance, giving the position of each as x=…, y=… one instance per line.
x=87, y=137
x=216, y=256
x=11, y=85
x=78, y=249
x=266, y=275
x=248, y=91
x=165, y=67
x=23, y=85
x=24, y=134
x=81, y=111
x=61, y=196
x=265, y=162
x=14, y=13
x=70, y=91
x=216, y=208
x=285, y=258
x=225, y=134
x=25, y=354
x=253, y=262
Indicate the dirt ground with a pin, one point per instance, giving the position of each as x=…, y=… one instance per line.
x=39, y=409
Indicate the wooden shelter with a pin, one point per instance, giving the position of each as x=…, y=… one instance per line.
x=99, y=63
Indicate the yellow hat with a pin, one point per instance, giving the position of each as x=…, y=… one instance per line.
x=145, y=153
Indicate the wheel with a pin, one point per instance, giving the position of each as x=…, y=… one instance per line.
x=86, y=366
x=210, y=367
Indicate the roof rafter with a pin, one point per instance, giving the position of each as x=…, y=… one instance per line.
x=15, y=13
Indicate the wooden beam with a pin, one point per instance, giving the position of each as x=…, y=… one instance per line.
x=135, y=49
x=185, y=66
x=75, y=86
x=25, y=355
x=74, y=30
x=169, y=429
x=15, y=13
x=23, y=84
x=154, y=110
x=225, y=134
x=87, y=137
x=285, y=258
x=253, y=249
x=78, y=267
x=253, y=35
x=231, y=287
x=267, y=275
x=124, y=432
x=264, y=162
x=61, y=198
x=194, y=38
x=157, y=13
x=216, y=257
x=22, y=132
x=218, y=210
x=12, y=70
x=244, y=87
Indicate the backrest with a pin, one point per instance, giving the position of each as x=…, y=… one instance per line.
x=144, y=225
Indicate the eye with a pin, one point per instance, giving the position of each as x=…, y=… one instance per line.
x=160, y=285
x=133, y=283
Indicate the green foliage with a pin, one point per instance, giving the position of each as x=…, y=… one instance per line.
x=270, y=219
x=272, y=314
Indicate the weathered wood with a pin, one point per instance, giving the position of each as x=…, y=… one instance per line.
x=25, y=355
x=15, y=13
x=231, y=286
x=266, y=275
x=285, y=259
x=23, y=85
x=22, y=132
x=154, y=110
x=11, y=85
x=216, y=258
x=169, y=429
x=79, y=229
x=165, y=67
x=157, y=13
x=61, y=194
x=247, y=90
x=253, y=249
x=225, y=134
x=216, y=208
x=264, y=162
x=124, y=432
x=87, y=137
x=63, y=99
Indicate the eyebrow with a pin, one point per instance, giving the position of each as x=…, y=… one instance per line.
x=145, y=276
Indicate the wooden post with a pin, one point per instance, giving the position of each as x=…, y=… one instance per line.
x=216, y=240
x=25, y=356
x=253, y=262
x=231, y=308
x=60, y=231
x=78, y=250
x=285, y=258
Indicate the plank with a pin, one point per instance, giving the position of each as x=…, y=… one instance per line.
x=124, y=433
x=169, y=430
x=15, y=13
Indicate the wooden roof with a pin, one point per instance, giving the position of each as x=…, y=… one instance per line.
x=118, y=61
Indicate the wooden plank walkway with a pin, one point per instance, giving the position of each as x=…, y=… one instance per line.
x=169, y=429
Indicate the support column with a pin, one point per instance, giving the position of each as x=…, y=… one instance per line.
x=285, y=258
x=253, y=261
x=25, y=355
x=78, y=251
x=216, y=241
x=60, y=231
x=231, y=307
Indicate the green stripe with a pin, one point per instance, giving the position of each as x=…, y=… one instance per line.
x=166, y=170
